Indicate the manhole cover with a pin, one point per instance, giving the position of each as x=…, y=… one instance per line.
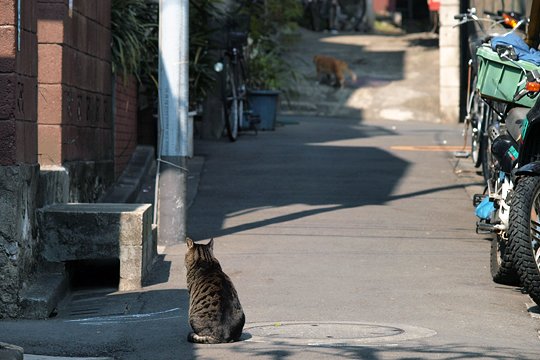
x=333, y=333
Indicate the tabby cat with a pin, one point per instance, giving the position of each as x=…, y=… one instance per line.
x=215, y=313
x=331, y=67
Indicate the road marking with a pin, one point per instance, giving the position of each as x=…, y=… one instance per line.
x=113, y=319
x=43, y=357
x=448, y=148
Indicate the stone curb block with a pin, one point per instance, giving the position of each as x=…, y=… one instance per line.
x=11, y=352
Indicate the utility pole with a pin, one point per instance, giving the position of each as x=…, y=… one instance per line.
x=173, y=120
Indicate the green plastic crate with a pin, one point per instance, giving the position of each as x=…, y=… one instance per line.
x=498, y=79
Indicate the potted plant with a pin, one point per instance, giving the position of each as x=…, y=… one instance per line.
x=269, y=75
x=264, y=83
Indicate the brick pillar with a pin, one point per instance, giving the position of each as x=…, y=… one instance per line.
x=18, y=131
x=74, y=81
x=449, y=60
x=18, y=148
x=74, y=106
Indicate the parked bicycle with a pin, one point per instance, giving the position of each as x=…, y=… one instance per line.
x=512, y=208
x=508, y=73
x=513, y=205
x=231, y=66
x=233, y=72
x=481, y=113
x=499, y=98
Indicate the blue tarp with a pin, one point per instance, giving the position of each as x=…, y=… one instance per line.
x=484, y=209
x=523, y=51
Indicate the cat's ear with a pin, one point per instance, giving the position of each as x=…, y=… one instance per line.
x=189, y=243
x=211, y=244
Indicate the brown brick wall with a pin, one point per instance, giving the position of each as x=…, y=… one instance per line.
x=18, y=73
x=125, y=121
x=75, y=115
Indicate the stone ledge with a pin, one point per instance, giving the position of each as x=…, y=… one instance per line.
x=40, y=298
x=101, y=230
x=11, y=352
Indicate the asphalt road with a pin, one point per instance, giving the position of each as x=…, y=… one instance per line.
x=331, y=221
x=345, y=239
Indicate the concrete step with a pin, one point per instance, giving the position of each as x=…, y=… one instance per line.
x=43, y=293
x=93, y=231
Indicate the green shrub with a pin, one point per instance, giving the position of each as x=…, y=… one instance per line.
x=272, y=24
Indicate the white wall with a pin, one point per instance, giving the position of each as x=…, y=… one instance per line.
x=449, y=54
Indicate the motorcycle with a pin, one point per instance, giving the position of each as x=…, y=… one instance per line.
x=511, y=210
x=524, y=217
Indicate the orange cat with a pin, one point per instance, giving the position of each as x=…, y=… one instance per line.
x=330, y=67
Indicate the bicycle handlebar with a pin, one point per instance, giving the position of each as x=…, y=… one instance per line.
x=496, y=21
x=466, y=16
x=492, y=14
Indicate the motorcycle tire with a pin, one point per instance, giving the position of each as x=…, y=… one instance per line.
x=501, y=263
x=524, y=234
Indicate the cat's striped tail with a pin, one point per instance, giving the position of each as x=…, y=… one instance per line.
x=194, y=338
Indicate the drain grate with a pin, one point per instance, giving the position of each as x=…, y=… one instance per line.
x=333, y=333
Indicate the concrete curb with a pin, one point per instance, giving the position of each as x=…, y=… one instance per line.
x=43, y=294
x=43, y=357
x=128, y=185
x=11, y=352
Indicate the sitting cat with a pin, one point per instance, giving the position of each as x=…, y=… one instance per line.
x=330, y=67
x=215, y=313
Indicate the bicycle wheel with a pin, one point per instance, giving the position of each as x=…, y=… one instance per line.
x=477, y=111
x=230, y=101
x=489, y=163
x=241, y=92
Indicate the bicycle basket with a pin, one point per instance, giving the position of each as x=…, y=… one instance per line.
x=500, y=79
x=237, y=39
x=238, y=29
x=234, y=32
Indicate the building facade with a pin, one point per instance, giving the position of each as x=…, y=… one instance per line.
x=59, y=141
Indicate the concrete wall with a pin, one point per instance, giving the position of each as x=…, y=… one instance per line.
x=75, y=93
x=18, y=155
x=55, y=110
x=449, y=59
x=18, y=242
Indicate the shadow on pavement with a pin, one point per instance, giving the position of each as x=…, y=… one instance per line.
x=132, y=325
x=312, y=168
x=453, y=351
